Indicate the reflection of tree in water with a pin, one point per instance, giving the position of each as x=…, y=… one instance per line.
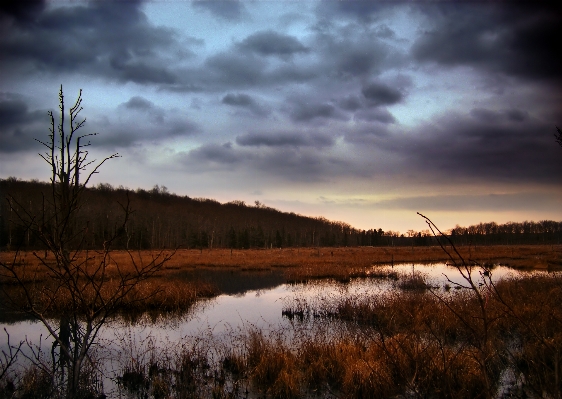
x=235, y=281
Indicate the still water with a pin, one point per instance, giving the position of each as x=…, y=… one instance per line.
x=250, y=300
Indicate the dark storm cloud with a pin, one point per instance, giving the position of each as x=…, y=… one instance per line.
x=15, y=111
x=304, y=164
x=284, y=139
x=361, y=10
x=272, y=43
x=22, y=12
x=381, y=94
x=230, y=10
x=516, y=115
x=354, y=51
x=18, y=125
x=480, y=146
x=244, y=101
x=16, y=139
x=351, y=103
x=277, y=159
x=216, y=154
x=140, y=72
x=520, y=40
x=235, y=69
x=141, y=121
x=353, y=57
x=375, y=115
x=108, y=39
x=301, y=110
x=180, y=127
x=384, y=32
x=141, y=104
x=149, y=129
x=494, y=116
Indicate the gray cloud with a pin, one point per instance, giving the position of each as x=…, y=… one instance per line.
x=18, y=125
x=216, y=154
x=365, y=11
x=272, y=43
x=301, y=110
x=375, y=115
x=353, y=51
x=130, y=133
x=335, y=72
x=21, y=12
x=230, y=10
x=244, y=101
x=306, y=112
x=15, y=111
x=488, y=147
x=381, y=94
x=142, y=121
x=282, y=139
x=235, y=69
x=111, y=40
x=278, y=159
x=521, y=40
x=141, y=72
x=351, y=103
x=180, y=127
x=141, y=104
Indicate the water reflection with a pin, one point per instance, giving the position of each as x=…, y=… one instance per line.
x=234, y=281
x=254, y=300
x=250, y=301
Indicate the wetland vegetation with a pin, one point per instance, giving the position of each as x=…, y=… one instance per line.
x=420, y=339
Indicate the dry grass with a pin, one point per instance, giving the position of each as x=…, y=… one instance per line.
x=403, y=344
x=166, y=291
x=319, y=262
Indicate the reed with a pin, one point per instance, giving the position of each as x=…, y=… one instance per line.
x=401, y=344
x=406, y=343
x=308, y=262
x=169, y=290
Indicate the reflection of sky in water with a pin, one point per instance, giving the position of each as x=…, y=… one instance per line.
x=227, y=314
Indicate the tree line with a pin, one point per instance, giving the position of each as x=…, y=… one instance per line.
x=160, y=219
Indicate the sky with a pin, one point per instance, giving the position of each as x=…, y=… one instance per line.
x=361, y=112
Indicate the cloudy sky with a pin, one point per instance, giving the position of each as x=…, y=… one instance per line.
x=362, y=112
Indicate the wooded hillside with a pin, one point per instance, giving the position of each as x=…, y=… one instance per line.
x=164, y=220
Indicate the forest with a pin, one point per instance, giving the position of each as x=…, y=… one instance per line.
x=160, y=219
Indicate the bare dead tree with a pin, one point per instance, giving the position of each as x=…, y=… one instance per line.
x=478, y=282
x=81, y=288
x=558, y=136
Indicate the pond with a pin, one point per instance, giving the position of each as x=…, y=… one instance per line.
x=250, y=301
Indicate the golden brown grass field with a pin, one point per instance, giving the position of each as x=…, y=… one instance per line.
x=170, y=292
x=302, y=263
